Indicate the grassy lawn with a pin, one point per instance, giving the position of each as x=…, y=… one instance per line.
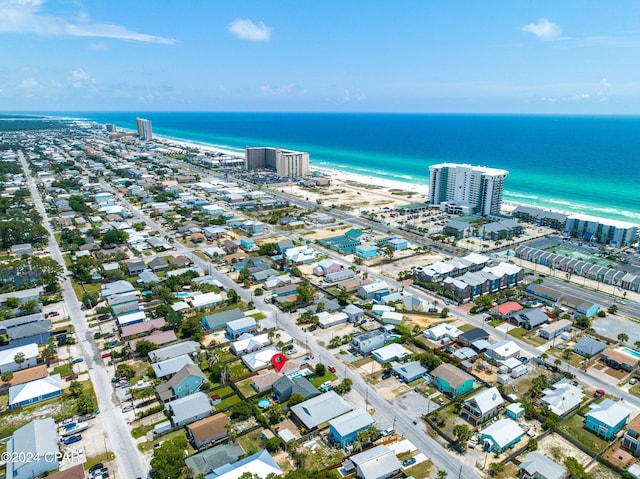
x=323, y=457
x=510, y=470
x=245, y=388
x=225, y=391
x=258, y=316
x=360, y=362
x=328, y=376
x=238, y=370
x=88, y=287
x=63, y=370
x=103, y=458
x=523, y=334
x=227, y=402
x=466, y=327
x=574, y=359
x=575, y=428
x=251, y=442
x=420, y=471
x=635, y=389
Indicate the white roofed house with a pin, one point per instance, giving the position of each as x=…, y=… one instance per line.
x=169, y=367
x=247, y=343
x=562, y=397
x=35, y=391
x=259, y=359
x=344, y=429
x=390, y=352
x=205, y=300
x=482, y=406
x=538, y=466
x=7, y=357
x=189, y=408
x=35, y=448
x=379, y=462
x=367, y=291
x=442, y=331
x=503, y=350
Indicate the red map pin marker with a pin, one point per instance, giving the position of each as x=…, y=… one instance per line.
x=278, y=361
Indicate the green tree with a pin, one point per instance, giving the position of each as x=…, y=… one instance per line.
x=6, y=376
x=125, y=371
x=233, y=297
x=191, y=328
x=273, y=444
x=389, y=251
x=305, y=293
x=532, y=445
x=551, y=422
x=462, y=434
x=114, y=237
x=444, y=313
x=623, y=338
x=84, y=404
x=576, y=470
x=442, y=474
x=19, y=359
x=295, y=398
x=566, y=354
x=75, y=389
x=267, y=249
x=495, y=468
x=144, y=347
x=241, y=410
x=168, y=459
x=344, y=387
x=320, y=370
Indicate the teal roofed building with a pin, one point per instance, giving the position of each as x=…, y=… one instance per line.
x=366, y=251
x=607, y=418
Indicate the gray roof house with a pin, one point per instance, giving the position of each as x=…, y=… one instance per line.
x=528, y=318
x=320, y=409
x=206, y=461
x=34, y=447
x=378, y=462
x=169, y=367
x=285, y=387
x=408, y=372
x=135, y=266
x=539, y=466
x=220, y=320
x=175, y=350
x=189, y=409
x=158, y=264
x=353, y=312
x=588, y=347
x=369, y=341
x=482, y=406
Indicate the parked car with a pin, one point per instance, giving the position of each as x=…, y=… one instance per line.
x=313, y=327
x=72, y=439
x=633, y=380
x=127, y=408
x=332, y=369
x=54, y=313
x=104, y=317
x=96, y=467
x=598, y=393
x=473, y=442
x=386, y=375
x=106, y=355
x=408, y=461
x=71, y=377
x=77, y=360
x=388, y=431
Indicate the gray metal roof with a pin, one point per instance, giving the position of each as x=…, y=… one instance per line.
x=536, y=463
x=210, y=459
x=376, y=462
x=352, y=421
x=320, y=409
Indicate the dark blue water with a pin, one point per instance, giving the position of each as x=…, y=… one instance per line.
x=573, y=163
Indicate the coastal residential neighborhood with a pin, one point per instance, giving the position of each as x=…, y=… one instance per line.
x=169, y=310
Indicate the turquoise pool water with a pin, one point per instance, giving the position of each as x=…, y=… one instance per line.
x=630, y=352
x=300, y=374
x=510, y=253
x=181, y=295
x=264, y=403
x=394, y=336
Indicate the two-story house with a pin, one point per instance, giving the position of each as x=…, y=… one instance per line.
x=483, y=406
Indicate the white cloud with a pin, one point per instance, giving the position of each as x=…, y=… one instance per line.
x=247, y=30
x=544, y=29
x=28, y=84
x=79, y=78
x=98, y=46
x=25, y=16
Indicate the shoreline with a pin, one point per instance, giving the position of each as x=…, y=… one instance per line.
x=341, y=175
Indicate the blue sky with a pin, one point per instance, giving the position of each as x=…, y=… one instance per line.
x=545, y=56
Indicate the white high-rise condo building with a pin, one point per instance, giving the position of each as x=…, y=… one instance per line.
x=461, y=188
x=286, y=163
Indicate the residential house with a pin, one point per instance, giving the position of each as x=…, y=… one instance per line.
x=327, y=266
x=29, y=353
x=617, y=359
x=344, y=429
x=135, y=266
x=158, y=263
x=142, y=329
x=503, y=349
x=159, y=338
x=442, y=332
x=35, y=391
x=451, y=381
x=607, y=418
x=327, y=320
x=185, y=382
x=220, y=320
x=379, y=462
x=353, y=312
x=206, y=461
x=175, y=350
x=248, y=343
x=409, y=372
x=366, y=251
x=369, y=341
x=367, y=291
x=469, y=337
x=35, y=449
x=588, y=347
x=285, y=387
x=264, y=380
x=206, y=300
x=338, y=276
x=169, y=367
x=631, y=437
x=189, y=409
x=501, y=435
x=238, y=327
x=260, y=464
x=390, y=352
x=528, y=318
x=320, y=409
x=556, y=328
x=562, y=398
x=538, y=466
x=505, y=309
x=208, y=430
x=259, y=359
x=482, y=406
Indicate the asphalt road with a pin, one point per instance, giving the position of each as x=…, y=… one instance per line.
x=131, y=462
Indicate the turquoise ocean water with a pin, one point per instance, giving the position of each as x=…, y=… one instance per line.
x=582, y=164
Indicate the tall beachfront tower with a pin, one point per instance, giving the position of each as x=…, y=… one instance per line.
x=461, y=188
x=286, y=163
x=144, y=129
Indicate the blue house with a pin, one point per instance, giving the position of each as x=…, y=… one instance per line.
x=344, y=429
x=246, y=243
x=501, y=435
x=35, y=391
x=397, y=242
x=366, y=251
x=238, y=327
x=184, y=383
x=607, y=418
x=220, y=320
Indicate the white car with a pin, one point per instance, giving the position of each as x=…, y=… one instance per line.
x=127, y=408
x=473, y=442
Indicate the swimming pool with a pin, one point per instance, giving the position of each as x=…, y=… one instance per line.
x=630, y=352
x=510, y=253
x=394, y=336
x=181, y=295
x=300, y=374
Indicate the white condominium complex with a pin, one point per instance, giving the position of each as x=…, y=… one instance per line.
x=286, y=163
x=144, y=129
x=460, y=188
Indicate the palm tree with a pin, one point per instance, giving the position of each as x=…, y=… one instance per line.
x=442, y=474
x=637, y=344
x=19, y=358
x=623, y=338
